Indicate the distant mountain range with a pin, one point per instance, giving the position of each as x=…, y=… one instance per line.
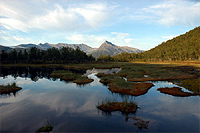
x=105, y=48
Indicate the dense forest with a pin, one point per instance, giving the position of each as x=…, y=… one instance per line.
x=181, y=48
x=51, y=55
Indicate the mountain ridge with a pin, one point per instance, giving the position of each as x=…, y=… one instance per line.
x=108, y=48
x=105, y=48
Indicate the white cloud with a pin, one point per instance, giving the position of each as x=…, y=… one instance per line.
x=57, y=17
x=18, y=38
x=91, y=40
x=6, y=38
x=172, y=13
x=120, y=39
x=120, y=35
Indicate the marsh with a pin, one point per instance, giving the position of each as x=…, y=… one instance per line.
x=70, y=107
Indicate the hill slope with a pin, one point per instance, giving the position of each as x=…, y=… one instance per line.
x=4, y=48
x=109, y=48
x=183, y=47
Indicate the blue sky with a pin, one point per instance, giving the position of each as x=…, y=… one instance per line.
x=140, y=24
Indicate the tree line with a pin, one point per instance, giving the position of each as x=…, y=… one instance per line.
x=51, y=55
x=182, y=48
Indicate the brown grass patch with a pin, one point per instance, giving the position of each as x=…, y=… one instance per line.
x=123, y=107
x=161, y=79
x=136, y=89
x=176, y=91
x=83, y=81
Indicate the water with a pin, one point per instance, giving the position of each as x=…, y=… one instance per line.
x=72, y=108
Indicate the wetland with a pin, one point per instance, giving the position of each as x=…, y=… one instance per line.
x=108, y=97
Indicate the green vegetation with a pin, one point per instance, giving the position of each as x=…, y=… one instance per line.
x=82, y=80
x=132, y=71
x=181, y=48
x=9, y=88
x=51, y=55
x=47, y=128
x=191, y=85
x=69, y=76
x=129, y=88
x=157, y=72
x=124, y=107
x=64, y=75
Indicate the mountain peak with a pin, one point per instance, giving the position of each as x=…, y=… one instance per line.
x=109, y=48
x=107, y=43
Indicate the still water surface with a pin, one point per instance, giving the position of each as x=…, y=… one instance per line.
x=72, y=108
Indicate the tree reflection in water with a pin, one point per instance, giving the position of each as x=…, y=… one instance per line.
x=34, y=73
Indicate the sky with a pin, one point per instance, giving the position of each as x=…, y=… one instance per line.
x=141, y=24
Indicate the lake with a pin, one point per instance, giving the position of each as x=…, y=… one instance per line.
x=73, y=108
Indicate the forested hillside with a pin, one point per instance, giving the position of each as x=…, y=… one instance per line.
x=181, y=48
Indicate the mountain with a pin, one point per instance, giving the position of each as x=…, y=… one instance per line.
x=4, y=48
x=26, y=45
x=105, y=48
x=83, y=47
x=109, y=48
x=45, y=46
x=183, y=47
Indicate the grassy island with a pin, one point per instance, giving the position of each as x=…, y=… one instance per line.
x=69, y=76
x=124, y=107
x=129, y=88
x=9, y=88
x=83, y=80
x=176, y=91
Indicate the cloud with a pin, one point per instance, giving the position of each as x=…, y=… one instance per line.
x=56, y=17
x=117, y=38
x=172, y=13
x=120, y=35
x=11, y=24
x=93, y=40
x=18, y=38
